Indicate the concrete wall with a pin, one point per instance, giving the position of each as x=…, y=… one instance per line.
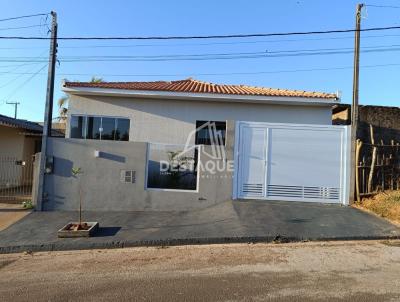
x=169, y=121
x=102, y=188
x=385, y=122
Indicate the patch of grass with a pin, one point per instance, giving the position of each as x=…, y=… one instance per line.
x=391, y=243
x=385, y=204
x=27, y=205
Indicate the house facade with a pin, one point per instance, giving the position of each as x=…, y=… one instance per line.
x=179, y=145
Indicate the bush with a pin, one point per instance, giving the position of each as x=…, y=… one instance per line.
x=27, y=204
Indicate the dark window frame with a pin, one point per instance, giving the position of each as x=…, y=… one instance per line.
x=86, y=130
x=203, y=141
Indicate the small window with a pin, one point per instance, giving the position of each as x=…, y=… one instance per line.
x=210, y=133
x=128, y=176
x=78, y=126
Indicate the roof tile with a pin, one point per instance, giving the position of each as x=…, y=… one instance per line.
x=194, y=86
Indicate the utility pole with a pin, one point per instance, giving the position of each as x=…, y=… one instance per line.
x=48, y=112
x=15, y=107
x=354, y=106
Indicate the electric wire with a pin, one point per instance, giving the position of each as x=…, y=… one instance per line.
x=24, y=83
x=209, y=56
x=23, y=17
x=230, y=36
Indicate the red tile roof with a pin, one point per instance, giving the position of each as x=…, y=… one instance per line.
x=194, y=86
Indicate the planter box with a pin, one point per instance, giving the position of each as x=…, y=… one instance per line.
x=65, y=231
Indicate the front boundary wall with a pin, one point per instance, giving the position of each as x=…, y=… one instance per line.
x=102, y=188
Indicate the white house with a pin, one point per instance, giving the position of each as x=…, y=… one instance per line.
x=278, y=144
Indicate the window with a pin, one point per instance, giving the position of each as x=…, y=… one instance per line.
x=122, y=131
x=210, y=133
x=78, y=126
x=128, y=176
x=171, y=167
x=107, y=128
x=101, y=128
x=93, y=128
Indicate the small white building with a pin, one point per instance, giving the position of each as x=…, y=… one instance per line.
x=281, y=143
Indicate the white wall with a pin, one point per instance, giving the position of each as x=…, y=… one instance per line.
x=170, y=121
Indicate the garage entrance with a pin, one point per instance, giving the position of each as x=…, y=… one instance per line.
x=291, y=162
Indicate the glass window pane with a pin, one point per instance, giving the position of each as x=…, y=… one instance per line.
x=77, y=127
x=122, y=132
x=210, y=133
x=108, y=128
x=170, y=167
x=93, y=127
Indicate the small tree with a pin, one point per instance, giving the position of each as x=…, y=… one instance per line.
x=76, y=171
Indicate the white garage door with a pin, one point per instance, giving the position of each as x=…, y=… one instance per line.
x=291, y=162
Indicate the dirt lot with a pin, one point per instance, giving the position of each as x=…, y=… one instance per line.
x=385, y=204
x=340, y=271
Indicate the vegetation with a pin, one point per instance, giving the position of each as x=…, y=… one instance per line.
x=63, y=102
x=385, y=204
x=75, y=172
x=27, y=204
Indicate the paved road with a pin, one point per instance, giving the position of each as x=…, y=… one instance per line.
x=340, y=271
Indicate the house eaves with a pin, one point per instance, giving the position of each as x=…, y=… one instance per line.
x=206, y=97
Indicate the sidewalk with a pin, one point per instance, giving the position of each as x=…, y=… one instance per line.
x=238, y=221
x=10, y=214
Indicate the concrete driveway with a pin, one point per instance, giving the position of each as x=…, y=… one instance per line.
x=237, y=221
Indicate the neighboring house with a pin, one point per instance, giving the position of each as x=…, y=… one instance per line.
x=129, y=138
x=19, y=138
x=19, y=141
x=57, y=129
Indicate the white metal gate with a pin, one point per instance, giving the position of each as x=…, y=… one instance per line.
x=291, y=162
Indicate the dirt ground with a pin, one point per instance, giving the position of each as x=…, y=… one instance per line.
x=385, y=204
x=336, y=271
x=10, y=214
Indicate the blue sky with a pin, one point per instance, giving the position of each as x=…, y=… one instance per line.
x=378, y=85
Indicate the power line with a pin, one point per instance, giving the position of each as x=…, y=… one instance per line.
x=25, y=82
x=19, y=65
x=382, y=6
x=21, y=27
x=22, y=17
x=209, y=56
x=18, y=76
x=198, y=44
x=207, y=37
x=221, y=74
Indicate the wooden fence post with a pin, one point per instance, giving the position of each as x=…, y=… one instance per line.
x=358, y=149
x=373, y=161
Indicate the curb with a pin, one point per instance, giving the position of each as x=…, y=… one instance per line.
x=70, y=246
